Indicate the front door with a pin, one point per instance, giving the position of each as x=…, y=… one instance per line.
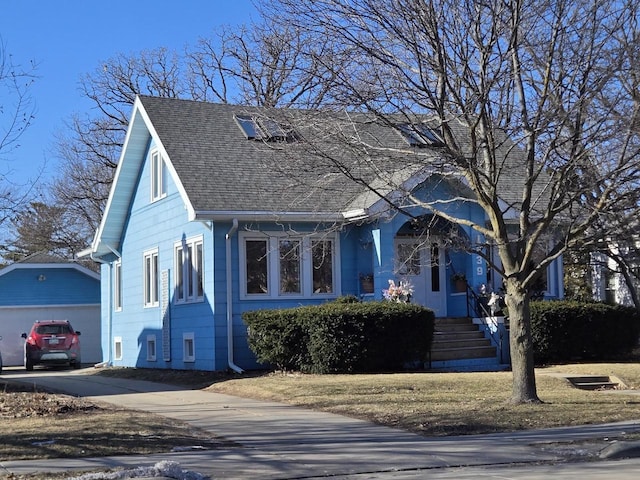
x=423, y=265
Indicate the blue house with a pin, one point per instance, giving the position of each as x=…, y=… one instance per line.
x=45, y=287
x=205, y=222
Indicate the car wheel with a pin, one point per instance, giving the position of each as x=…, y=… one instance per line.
x=76, y=364
x=28, y=364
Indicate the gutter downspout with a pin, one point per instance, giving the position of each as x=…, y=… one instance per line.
x=108, y=361
x=230, y=361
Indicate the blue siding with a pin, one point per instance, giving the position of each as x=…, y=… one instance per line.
x=242, y=354
x=363, y=249
x=159, y=225
x=61, y=286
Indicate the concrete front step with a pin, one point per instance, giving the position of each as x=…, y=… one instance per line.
x=450, y=325
x=456, y=328
x=452, y=321
x=468, y=365
x=439, y=337
x=460, y=343
x=463, y=353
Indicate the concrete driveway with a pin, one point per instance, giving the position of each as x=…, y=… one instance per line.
x=278, y=441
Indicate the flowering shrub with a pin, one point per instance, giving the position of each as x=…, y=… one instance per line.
x=400, y=293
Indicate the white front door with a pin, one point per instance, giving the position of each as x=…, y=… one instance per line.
x=423, y=265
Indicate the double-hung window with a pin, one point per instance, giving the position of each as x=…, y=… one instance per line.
x=150, y=271
x=323, y=266
x=188, y=271
x=288, y=266
x=158, y=184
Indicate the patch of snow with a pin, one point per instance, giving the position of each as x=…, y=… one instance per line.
x=166, y=469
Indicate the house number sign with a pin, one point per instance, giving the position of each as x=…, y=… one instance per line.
x=479, y=266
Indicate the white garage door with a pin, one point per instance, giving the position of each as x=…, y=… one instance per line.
x=15, y=321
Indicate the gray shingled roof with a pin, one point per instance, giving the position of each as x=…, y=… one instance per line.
x=225, y=175
x=221, y=170
x=42, y=258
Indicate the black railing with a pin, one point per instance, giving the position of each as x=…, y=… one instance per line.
x=479, y=305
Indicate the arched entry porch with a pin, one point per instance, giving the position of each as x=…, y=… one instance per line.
x=421, y=257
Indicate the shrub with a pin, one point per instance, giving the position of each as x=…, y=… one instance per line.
x=566, y=330
x=278, y=336
x=341, y=336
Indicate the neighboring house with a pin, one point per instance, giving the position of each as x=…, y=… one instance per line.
x=609, y=284
x=44, y=287
x=203, y=224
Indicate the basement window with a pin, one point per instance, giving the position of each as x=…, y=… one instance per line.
x=188, y=347
x=151, y=348
x=117, y=347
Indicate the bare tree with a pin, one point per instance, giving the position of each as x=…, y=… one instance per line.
x=258, y=65
x=91, y=149
x=262, y=65
x=41, y=227
x=16, y=107
x=526, y=86
x=16, y=114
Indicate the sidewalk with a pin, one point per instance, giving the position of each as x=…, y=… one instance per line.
x=283, y=442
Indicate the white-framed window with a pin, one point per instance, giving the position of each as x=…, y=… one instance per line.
x=277, y=265
x=117, y=348
x=150, y=275
x=117, y=285
x=255, y=266
x=158, y=183
x=189, y=268
x=290, y=266
x=188, y=347
x=151, y=348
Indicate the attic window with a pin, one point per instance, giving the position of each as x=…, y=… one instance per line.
x=266, y=129
x=420, y=135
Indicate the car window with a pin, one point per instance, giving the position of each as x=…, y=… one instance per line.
x=52, y=329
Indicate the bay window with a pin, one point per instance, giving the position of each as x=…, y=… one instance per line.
x=279, y=266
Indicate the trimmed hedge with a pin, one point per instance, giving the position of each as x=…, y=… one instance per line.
x=344, y=336
x=565, y=330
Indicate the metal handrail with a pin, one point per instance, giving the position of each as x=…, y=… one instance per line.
x=481, y=311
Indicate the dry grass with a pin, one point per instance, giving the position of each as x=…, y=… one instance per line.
x=432, y=404
x=49, y=426
x=443, y=403
x=43, y=425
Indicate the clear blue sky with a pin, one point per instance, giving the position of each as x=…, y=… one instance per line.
x=69, y=38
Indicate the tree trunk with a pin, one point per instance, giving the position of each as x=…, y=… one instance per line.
x=522, y=364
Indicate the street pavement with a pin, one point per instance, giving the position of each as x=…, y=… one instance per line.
x=276, y=441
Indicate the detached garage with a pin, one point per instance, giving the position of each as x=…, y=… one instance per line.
x=43, y=287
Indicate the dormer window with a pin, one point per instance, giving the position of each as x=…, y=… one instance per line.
x=420, y=135
x=265, y=129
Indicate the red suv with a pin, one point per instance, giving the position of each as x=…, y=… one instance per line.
x=52, y=342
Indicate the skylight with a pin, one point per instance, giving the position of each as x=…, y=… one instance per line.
x=420, y=135
x=248, y=126
x=267, y=129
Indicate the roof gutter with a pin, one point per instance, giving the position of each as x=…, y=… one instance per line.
x=230, y=360
x=224, y=215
